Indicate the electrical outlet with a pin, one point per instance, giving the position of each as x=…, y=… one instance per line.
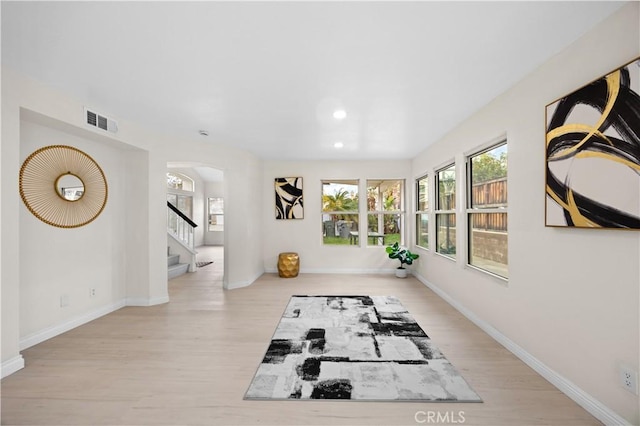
x=64, y=300
x=629, y=379
x=92, y=292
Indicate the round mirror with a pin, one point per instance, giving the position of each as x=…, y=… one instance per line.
x=70, y=187
x=62, y=186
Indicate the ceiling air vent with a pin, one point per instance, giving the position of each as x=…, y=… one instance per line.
x=94, y=119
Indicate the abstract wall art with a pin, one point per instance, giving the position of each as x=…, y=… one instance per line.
x=289, y=203
x=593, y=154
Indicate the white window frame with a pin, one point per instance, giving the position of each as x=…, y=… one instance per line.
x=419, y=213
x=381, y=213
x=354, y=182
x=183, y=178
x=441, y=212
x=218, y=227
x=469, y=210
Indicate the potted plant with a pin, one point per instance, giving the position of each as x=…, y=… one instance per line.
x=403, y=255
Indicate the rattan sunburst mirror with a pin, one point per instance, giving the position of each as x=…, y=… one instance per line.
x=62, y=186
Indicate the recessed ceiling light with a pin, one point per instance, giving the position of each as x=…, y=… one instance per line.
x=203, y=133
x=338, y=145
x=339, y=114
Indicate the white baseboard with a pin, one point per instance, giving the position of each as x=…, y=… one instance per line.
x=12, y=365
x=49, y=332
x=376, y=271
x=159, y=300
x=241, y=284
x=140, y=301
x=586, y=401
x=237, y=285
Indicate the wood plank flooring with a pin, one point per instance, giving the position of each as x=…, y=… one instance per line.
x=190, y=362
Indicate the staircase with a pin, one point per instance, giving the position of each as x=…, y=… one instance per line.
x=176, y=268
x=180, y=231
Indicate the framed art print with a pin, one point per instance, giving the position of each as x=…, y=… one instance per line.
x=289, y=202
x=593, y=154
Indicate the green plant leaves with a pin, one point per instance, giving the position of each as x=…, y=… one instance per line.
x=402, y=254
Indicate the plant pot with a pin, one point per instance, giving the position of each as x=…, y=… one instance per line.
x=401, y=273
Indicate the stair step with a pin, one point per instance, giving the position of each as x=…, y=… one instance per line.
x=173, y=259
x=177, y=269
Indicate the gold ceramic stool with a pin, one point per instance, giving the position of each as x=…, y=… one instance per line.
x=288, y=265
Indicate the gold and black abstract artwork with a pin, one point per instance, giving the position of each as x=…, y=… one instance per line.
x=289, y=202
x=593, y=154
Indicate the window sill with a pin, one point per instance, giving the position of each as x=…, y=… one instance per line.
x=451, y=258
x=497, y=278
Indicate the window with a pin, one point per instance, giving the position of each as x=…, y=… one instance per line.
x=180, y=181
x=216, y=214
x=340, y=212
x=486, y=209
x=422, y=212
x=385, y=213
x=446, y=211
x=178, y=188
x=184, y=203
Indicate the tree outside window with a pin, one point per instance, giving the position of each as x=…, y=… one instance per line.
x=339, y=211
x=385, y=213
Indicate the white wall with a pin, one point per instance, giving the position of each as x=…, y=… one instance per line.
x=572, y=300
x=243, y=235
x=135, y=262
x=11, y=358
x=137, y=231
x=56, y=262
x=304, y=236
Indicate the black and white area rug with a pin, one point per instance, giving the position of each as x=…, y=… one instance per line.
x=354, y=347
x=202, y=264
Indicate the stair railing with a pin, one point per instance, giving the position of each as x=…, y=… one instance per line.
x=180, y=225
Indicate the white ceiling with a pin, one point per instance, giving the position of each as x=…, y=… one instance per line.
x=267, y=76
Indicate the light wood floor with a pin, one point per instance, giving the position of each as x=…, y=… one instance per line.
x=190, y=362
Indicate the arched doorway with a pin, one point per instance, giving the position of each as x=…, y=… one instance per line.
x=201, y=191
